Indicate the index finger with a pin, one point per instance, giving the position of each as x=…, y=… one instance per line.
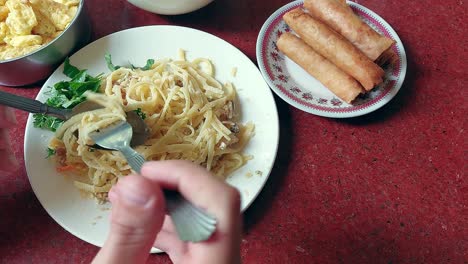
x=198, y=186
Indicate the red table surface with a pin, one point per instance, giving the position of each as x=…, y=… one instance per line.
x=388, y=187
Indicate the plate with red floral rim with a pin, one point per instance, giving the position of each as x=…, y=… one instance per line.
x=295, y=86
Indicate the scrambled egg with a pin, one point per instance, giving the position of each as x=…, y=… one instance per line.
x=3, y=32
x=3, y=12
x=21, y=18
x=68, y=2
x=23, y=41
x=27, y=25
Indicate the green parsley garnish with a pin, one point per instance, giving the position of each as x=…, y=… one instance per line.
x=149, y=64
x=112, y=67
x=67, y=94
x=140, y=113
x=109, y=63
x=47, y=122
x=50, y=152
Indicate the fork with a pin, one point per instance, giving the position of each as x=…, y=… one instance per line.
x=34, y=106
x=191, y=223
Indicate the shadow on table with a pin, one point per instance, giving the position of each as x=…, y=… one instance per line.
x=262, y=203
x=22, y=215
x=368, y=244
x=364, y=239
x=26, y=228
x=401, y=101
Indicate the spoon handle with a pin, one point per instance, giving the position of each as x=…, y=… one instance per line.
x=29, y=105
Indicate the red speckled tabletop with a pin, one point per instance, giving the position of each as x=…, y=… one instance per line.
x=388, y=187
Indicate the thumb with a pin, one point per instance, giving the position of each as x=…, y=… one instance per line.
x=136, y=218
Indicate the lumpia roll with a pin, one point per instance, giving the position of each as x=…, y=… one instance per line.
x=339, y=16
x=335, y=48
x=388, y=57
x=332, y=77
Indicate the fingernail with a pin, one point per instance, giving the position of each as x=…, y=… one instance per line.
x=132, y=197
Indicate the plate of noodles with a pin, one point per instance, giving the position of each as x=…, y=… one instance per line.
x=203, y=100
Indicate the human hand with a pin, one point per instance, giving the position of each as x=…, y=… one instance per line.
x=7, y=160
x=137, y=218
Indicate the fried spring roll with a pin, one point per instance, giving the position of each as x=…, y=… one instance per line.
x=339, y=16
x=335, y=48
x=332, y=77
x=388, y=57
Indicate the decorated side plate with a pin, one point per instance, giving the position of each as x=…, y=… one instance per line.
x=294, y=85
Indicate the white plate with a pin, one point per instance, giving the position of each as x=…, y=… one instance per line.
x=294, y=85
x=83, y=217
x=170, y=7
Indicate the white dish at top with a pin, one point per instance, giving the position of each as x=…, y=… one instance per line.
x=89, y=221
x=170, y=7
x=295, y=86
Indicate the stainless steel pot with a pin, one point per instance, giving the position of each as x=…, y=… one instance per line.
x=41, y=63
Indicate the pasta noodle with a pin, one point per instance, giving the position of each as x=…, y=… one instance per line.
x=190, y=114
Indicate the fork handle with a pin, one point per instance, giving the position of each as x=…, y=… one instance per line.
x=29, y=105
x=178, y=207
x=136, y=160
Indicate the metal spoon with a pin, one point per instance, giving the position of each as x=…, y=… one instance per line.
x=192, y=223
x=139, y=127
